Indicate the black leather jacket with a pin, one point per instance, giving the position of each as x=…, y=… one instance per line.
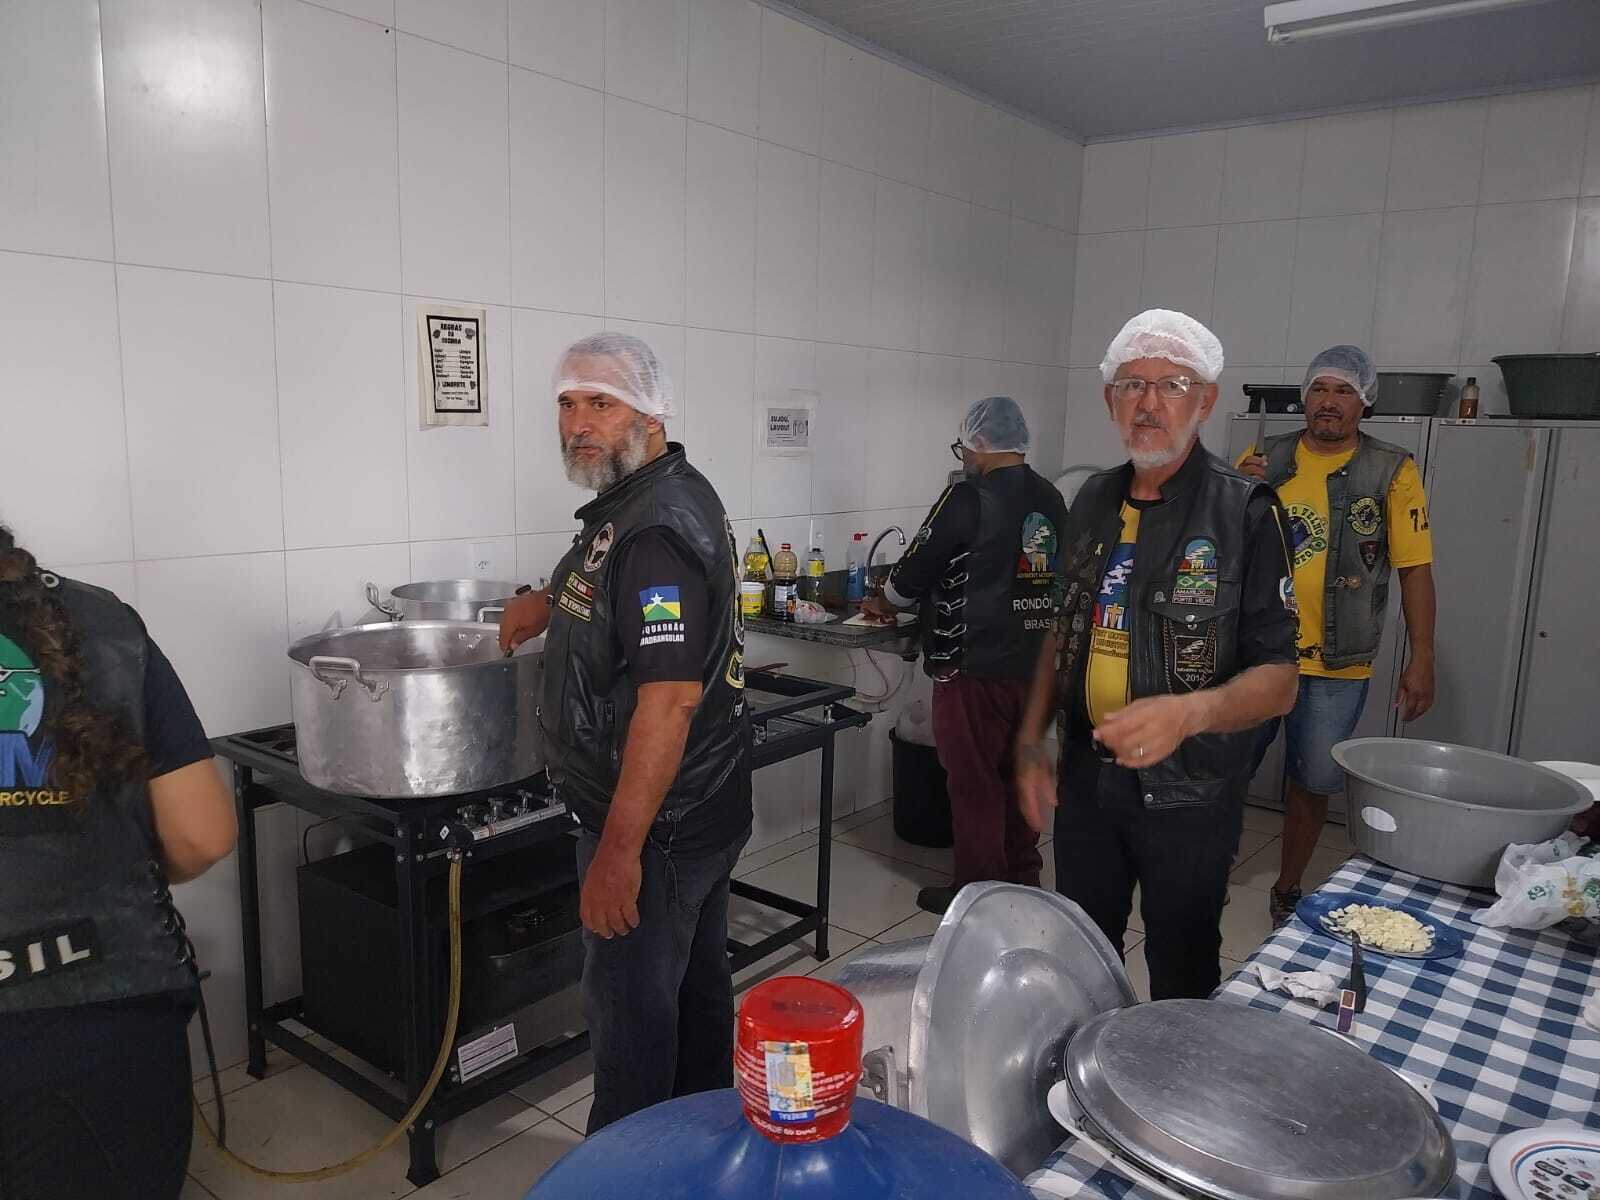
x=589, y=698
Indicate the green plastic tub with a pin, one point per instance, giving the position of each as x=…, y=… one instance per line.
x=1548, y=387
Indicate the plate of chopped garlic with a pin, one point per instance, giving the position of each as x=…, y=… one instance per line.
x=1395, y=930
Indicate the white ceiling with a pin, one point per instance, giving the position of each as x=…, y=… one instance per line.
x=1100, y=68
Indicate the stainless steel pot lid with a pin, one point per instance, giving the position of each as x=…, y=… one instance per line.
x=1236, y=1103
x=1010, y=976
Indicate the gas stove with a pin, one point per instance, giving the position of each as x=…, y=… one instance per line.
x=457, y=822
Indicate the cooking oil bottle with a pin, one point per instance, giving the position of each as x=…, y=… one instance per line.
x=753, y=585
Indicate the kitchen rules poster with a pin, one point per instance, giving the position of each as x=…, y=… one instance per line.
x=450, y=361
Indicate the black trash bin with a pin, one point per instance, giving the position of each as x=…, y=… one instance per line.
x=921, y=800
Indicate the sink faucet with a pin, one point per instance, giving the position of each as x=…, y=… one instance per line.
x=873, y=553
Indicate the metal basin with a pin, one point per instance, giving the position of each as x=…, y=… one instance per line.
x=415, y=708
x=1230, y=1102
x=967, y=1027
x=1448, y=812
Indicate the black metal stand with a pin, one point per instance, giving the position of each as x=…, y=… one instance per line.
x=265, y=773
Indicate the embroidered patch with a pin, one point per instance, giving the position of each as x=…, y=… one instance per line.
x=661, y=603
x=1308, y=533
x=1199, y=556
x=577, y=585
x=1191, y=657
x=1369, y=554
x=599, y=547
x=571, y=604
x=735, y=672
x=1365, y=516
x=25, y=956
x=1286, y=594
x=1039, y=545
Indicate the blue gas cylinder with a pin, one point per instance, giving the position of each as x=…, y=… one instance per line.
x=703, y=1148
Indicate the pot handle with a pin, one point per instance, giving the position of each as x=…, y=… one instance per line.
x=490, y=608
x=392, y=611
x=318, y=663
x=888, y=1086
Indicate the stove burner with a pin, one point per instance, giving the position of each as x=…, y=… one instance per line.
x=276, y=740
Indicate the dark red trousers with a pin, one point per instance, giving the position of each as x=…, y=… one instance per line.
x=975, y=723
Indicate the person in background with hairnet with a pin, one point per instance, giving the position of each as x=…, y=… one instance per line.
x=646, y=734
x=1356, y=508
x=1175, y=635
x=982, y=568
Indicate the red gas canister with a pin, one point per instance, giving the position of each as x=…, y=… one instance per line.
x=798, y=1058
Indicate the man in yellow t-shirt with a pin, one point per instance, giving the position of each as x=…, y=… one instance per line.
x=1356, y=508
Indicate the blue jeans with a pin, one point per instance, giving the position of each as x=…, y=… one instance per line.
x=1325, y=713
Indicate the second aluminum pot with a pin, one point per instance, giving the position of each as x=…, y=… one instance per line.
x=415, y=708
x=444, y=600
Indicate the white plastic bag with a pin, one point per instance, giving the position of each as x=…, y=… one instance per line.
x=1542, y=884
x=808, y=612
x=915, y=724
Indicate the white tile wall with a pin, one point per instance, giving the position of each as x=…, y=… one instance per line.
x=1435, y=235
x=54, y=194
x=252, y=199
x=332, y=136
x=185, y=113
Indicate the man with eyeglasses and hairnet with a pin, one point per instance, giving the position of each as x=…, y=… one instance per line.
x=1174, y=641
x=646, y=734
x=1356, y=508
x=982, y=568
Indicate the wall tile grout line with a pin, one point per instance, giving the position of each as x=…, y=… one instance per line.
x=116, y=296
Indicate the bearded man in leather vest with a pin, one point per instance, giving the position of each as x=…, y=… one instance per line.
x=646, y=735
x=982, y=570
x=1174, y=641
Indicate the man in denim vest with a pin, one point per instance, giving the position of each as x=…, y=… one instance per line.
x=1356, y=508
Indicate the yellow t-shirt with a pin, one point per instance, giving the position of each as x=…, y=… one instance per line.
x=1305, y=503
x=1106, y=677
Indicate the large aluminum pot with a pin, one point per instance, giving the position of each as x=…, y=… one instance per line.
x=444, y=600
x=415, y=708
x=1448, y=812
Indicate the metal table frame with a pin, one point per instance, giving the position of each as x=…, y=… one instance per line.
x=783, y=730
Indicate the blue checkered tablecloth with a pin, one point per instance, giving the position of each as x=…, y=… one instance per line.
x=1495, y=1031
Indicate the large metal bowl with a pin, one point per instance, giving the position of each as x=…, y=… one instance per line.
x=967, y=1028
x=1448, y=812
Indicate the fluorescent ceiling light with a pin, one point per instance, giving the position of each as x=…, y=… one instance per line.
x=1299, y=20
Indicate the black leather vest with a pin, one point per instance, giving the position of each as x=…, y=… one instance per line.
x=1184, y=601
x=992, y=606
x=589, y=698
x=85, y=912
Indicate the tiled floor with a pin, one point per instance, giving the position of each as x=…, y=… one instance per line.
x=295, y=1119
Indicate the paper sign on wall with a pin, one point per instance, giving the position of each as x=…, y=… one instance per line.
x=450, y=360
x=788, y=426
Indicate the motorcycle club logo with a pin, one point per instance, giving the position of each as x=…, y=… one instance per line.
x=1038, y=556
x=1366, y=516
x=599, y=548
x=23, y=765
x=1308, y=531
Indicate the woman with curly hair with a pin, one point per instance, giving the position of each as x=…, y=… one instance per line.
x=108, y=796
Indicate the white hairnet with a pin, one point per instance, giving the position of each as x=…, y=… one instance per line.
x=995, y=426
x=1351, y=364
x=617, y=365
x=1162, y=333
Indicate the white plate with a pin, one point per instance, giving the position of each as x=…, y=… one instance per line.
x=1558, y=1161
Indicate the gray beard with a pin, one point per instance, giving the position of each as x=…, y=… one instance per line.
x=1151, y=460
x=602, y=473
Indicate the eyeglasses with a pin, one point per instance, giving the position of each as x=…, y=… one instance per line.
x=956, y=448
x=1168, y=387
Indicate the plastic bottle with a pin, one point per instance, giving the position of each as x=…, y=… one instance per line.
x=1469, y=399
x=855, y=575
x=753, y=586
x=816, y=568
x=785, y=572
